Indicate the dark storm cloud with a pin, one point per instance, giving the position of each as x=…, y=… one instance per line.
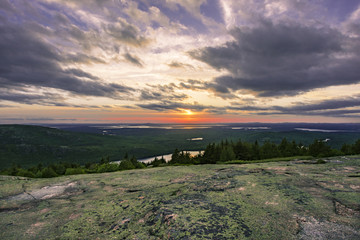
x=133, y=59
x=282, y=59
x=27, y=60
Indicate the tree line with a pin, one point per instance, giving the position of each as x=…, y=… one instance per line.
x=222, y=152
x=228, y=151
x=64, y=168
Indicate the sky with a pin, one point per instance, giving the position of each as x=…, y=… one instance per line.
x=188, y=61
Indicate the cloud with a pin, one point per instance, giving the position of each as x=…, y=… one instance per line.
x=347, y=107
x=344, y=113
x=340, y=107
x=44, y=99
x=51, y=99
x=328, y=104
x=27, y=60
x=38, y=119
x=172, y=106
x=158, y=93
x=126, y=33
x=147, y=16
x=175, y=64
x=343, y=107
x=352, y=24
x=90, y=5
x=196, y=85
x=83, y=59
x=5, y=106
x=7, y=6
x=133, y=59
x=275, y=59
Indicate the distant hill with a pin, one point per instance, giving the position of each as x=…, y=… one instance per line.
x=30, y=145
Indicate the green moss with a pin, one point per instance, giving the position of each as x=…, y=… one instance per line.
x=253, y=201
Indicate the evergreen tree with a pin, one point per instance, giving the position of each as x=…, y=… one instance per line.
x=356, y=147
x=156, y=162
x=227, y=154
x=269, y=150
x=175, y=157
x=285, y=148
x=319, y=149
x=242, y=150
x=255, y=151
x=210, y=154
x=347, y=149
x=185, y=158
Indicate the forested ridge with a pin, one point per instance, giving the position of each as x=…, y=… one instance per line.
x=223, y=152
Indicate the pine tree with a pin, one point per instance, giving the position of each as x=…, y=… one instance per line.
x=227, y=154
x=175, y=157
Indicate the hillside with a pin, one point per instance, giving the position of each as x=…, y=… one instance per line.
x=31, y=145
x=284, y=200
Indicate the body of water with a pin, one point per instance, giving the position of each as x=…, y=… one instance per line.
x=318, y=130
x=167, y=157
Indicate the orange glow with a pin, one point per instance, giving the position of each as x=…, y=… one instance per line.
x=188, y=112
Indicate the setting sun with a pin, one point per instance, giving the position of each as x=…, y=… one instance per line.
x=188, y=112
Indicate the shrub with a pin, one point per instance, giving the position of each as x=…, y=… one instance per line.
x=125, y=165
x=48, y=173
x=320, y=161
x=25, y=173
x=73, y=171
x=107, y=167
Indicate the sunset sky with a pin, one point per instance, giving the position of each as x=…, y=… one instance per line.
x=172, y=61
